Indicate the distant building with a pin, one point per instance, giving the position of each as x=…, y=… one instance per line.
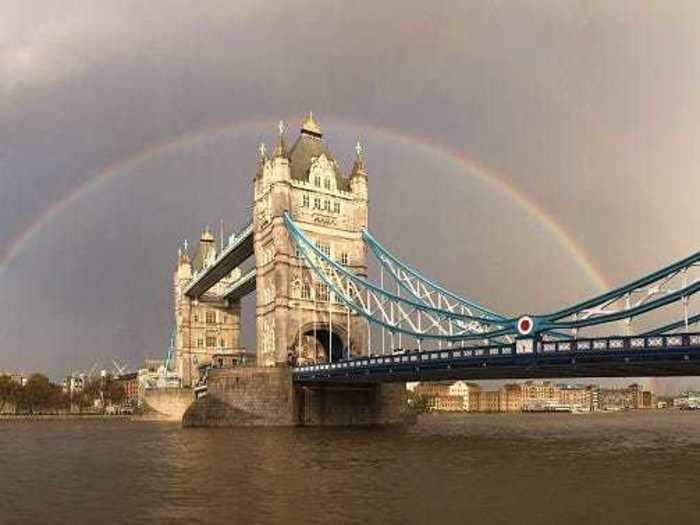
x=511, y=399
x=687, y=400
x=575, y=397
x=632, y=397
x=449, y=397
x=537, y=396
x=74, y=385
x=469, y=393
x=130, y=384
x=490, y=401
x=433, y=393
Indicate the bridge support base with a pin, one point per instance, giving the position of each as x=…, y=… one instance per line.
x=251, y=396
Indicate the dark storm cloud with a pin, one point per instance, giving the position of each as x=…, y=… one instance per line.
x=590, y=109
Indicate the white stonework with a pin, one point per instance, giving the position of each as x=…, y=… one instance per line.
x=207, y=326
x=297, y=319
x=294, y=312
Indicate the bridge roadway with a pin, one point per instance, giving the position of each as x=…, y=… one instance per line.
x=636, y=356
x=242, y=287
x=237, y=251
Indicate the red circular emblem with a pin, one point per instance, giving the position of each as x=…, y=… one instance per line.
x=525, y=325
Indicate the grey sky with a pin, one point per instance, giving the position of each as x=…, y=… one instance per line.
x=590, y=110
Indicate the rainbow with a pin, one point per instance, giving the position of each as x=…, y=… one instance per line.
x=460, y=160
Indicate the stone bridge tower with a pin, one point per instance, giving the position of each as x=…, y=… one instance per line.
x=296, y=316
x=207, y=328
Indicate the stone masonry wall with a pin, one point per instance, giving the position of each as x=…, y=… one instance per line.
x=167, y=403
x=265, y=396
x=245, y=396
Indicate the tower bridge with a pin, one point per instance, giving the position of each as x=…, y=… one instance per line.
x=335, y=346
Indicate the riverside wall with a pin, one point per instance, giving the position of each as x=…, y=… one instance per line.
x=255, y=396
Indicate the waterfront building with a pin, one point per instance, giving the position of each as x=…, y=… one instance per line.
x=574, y=397
x=490, y=401
x=450, y=397
x=130, y=383
x=687, y=400
x=511, y=398
x=447, y=403
x=469, y=394
x=73, y=385
x=538, y=396
x=632, y=397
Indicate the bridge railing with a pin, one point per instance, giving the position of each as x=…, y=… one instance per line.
x=484, y=354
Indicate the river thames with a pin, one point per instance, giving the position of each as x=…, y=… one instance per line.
x=620, y=468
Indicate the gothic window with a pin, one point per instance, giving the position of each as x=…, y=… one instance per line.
x=211, y=341
x=196, y=318
x=336, y=207
x=305, y=291
x=327, y=205
x=221, y=342
x=344, y=258
x=324, y=248
x=305, y=200
x=322, y=292
x=211, y=317
x=317, y=181
x=317, y=203
x=327, y=183
x=200, y=343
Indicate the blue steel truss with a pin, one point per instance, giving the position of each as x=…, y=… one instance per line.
x=675, y=283
x=428, y=311
x=404, y=315
x=428, y=291
x=422, y=288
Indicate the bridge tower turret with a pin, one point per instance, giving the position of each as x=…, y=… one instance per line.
x=205, y=328
x=297, y=316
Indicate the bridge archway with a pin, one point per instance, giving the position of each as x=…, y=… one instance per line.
x=315, y=341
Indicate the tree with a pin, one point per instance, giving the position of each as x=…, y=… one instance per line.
x=417, y=402
x=58, y=399
x=8, y=391
x=114, y=391
x=36, y=393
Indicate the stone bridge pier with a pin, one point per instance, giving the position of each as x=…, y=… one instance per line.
x=263, y=396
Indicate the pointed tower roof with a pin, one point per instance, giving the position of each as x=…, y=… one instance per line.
x=207, y=235
x=183, y=256
x=310, y=146
x=310, y=126
x=205, y=251
x=281, y=149
x=358, y=169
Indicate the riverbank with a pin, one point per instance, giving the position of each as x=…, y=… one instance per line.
x=62, y=417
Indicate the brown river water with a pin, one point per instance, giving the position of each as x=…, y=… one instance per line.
x=621, y=468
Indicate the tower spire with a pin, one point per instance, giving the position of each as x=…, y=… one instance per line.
x=281, y=150
x=359, y=166
x=183, y=254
